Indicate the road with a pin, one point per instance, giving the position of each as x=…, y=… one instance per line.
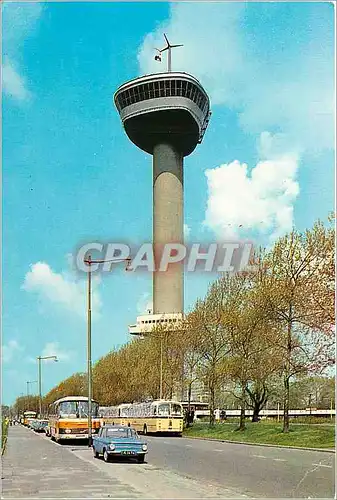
x=175, y=468
x=259, y=471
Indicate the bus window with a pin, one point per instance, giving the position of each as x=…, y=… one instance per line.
x=164, y=409
x=176, y=410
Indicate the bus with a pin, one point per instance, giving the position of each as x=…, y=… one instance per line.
x=68, y=418
x=155, y=417
x=28, y=416
x=198, y=408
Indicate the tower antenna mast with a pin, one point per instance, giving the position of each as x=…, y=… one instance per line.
x=168, y=47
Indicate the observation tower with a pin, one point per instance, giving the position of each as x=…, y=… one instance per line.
x=166, y=115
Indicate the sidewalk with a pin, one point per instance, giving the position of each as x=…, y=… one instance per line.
x=34, y=467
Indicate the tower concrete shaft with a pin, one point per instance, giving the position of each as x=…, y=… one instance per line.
x=168, y=226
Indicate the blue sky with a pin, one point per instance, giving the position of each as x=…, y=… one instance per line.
x=71, y=176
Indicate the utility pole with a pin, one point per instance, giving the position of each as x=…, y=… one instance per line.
x=40, y=385
x=161, y=367
x=89, y=367
x=89, y=261
x=30, y=382
x=39, y=359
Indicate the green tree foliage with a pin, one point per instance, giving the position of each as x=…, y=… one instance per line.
x=26, y=403
x=5, y=411
x=76, y=385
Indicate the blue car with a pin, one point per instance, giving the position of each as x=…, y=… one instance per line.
x=118, y=441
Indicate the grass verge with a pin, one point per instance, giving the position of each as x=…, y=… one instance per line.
x=4, y=432
x=303, y=436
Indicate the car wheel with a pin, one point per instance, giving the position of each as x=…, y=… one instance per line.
x=96, y=454
x=106, y=456
x=141, y=459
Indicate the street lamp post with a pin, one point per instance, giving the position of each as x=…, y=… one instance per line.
x=89, y=261
x=161, y=367
x=30, y=382
x=39, y=359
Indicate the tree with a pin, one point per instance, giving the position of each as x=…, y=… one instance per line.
x=26, y=403
x=243, y=320
x=315, y=392
x=75, y=385
x=189, y=338
x=322, y=293
x=5, y=411
x=214, y=341
x=265, y=365
x=292, y=268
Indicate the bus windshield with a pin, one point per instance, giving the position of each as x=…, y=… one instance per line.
x=76, y=409
x=30, y=414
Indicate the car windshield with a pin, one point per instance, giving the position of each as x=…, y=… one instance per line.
x=121, y=433
x=76, y=409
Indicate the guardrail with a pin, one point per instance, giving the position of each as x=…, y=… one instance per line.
x=272, y=413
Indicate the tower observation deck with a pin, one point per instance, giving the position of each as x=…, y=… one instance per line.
x=164, y=108
x=166, y=115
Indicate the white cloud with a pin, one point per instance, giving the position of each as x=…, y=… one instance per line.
x=293, y=93
x=53, y=349
x=145, y=304
x=61, y=289
x=9, y=350
x=261, y=200
x=202, y=53
x=19, y=20
x=12, y=83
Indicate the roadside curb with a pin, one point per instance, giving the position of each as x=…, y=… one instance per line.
x=326, y=450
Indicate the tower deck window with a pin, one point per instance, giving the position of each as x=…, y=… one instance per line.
x=162, y=88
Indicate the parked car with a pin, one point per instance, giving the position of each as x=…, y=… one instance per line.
x=118, y=441
x=40, y=425
x=31, y=422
